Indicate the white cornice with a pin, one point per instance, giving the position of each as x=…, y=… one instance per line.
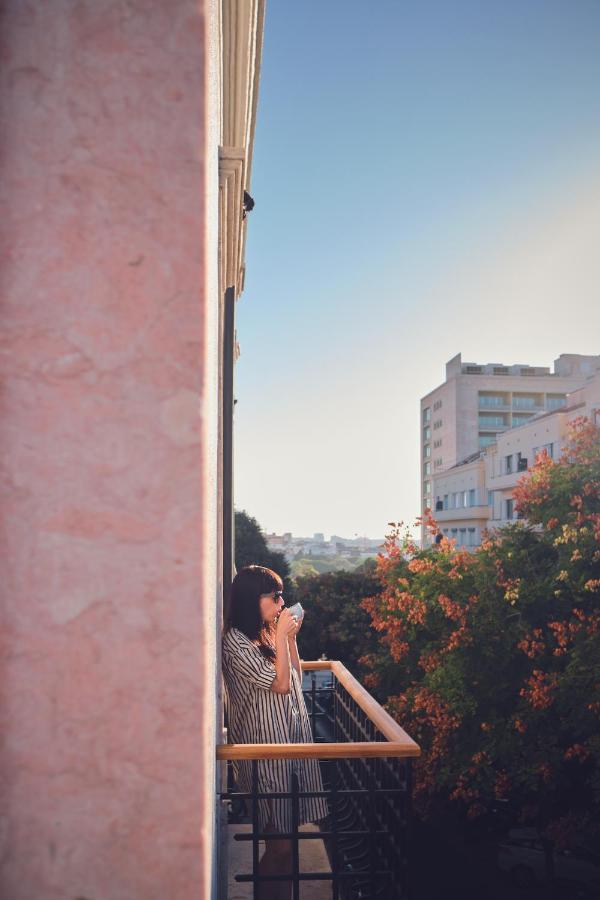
x=242, y=25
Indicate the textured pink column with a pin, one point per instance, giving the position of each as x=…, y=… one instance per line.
x=101, y=456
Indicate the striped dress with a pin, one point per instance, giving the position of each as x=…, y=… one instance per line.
x=256, y=715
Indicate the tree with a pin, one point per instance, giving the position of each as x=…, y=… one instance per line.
x=495, y=654
x=335, y=622
x=251, y=549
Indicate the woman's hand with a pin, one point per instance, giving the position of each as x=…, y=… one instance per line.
x=298, y=627
x=286, y=625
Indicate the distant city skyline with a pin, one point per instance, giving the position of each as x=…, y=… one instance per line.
x=426, y=182
x=326, y=536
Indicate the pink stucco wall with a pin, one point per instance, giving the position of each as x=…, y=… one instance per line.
x=101, y=457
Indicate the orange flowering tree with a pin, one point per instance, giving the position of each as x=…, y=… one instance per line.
x=494, y=654
x=335, y=623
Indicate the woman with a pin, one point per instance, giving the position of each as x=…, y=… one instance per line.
x=265, y=704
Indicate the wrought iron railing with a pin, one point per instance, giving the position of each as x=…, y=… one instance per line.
x=366, y=765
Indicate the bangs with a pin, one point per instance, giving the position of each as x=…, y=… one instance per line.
x=267, y=579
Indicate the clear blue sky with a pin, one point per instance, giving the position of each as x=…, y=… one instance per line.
x=427, y=181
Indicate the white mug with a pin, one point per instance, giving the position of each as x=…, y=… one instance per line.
x=297, y=611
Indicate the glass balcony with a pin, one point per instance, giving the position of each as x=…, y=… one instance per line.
x=519, y=418
x=527, y=403
x=492, y=422
x=555, y=402
x=365, y=759
x=494, y=403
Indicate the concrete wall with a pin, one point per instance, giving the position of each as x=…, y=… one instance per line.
x=107, y=575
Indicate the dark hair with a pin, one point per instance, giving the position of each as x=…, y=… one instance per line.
x=244, y=604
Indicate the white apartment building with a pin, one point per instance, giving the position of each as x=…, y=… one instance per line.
x=478, y=402
x=476, y=493
x=461, y=501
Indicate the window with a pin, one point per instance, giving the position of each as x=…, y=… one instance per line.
x=527, y=401
x=489, y=401
x=490, y=498
x=486, y=439
x=488, y=421
x=555, y=401
x=427, y=451
x=548, y=447
x=426, y=415
x=472, y=500
x=437, y=404
x=508, y=464
x=472, y=537
x=427, y=433
x=445, y=501
x=509, y=508
x=465, y=498
x=427, y=468
x=426, y=487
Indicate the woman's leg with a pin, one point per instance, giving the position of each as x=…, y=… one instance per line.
x=276, y=860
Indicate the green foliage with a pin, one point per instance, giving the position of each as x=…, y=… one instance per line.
x=303, y=567
x=313, y=564
x=335, y=623
x=495, y=654
x=251, y=549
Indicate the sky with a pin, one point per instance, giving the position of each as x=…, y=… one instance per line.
x=426, y=178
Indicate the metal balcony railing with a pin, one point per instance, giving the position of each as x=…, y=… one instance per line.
x=366, y=765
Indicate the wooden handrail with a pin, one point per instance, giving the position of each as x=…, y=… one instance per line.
x=398, y=742
x=315, y=751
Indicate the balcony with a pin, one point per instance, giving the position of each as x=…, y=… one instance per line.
x=489, y=424
x=489, y=403
x=527, y=404
x=366, y=766
x=477, y=511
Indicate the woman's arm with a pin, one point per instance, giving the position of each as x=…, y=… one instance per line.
x=282, y=681
x=286, y=625
x=293, y=645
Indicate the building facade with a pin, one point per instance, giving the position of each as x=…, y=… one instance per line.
x=126, y=154
x=477, y=402
x=477, y=492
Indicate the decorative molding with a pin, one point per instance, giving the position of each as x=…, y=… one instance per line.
x=242, y=27
x=231, y=188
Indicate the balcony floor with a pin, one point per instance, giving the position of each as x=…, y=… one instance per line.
x=313, y=858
